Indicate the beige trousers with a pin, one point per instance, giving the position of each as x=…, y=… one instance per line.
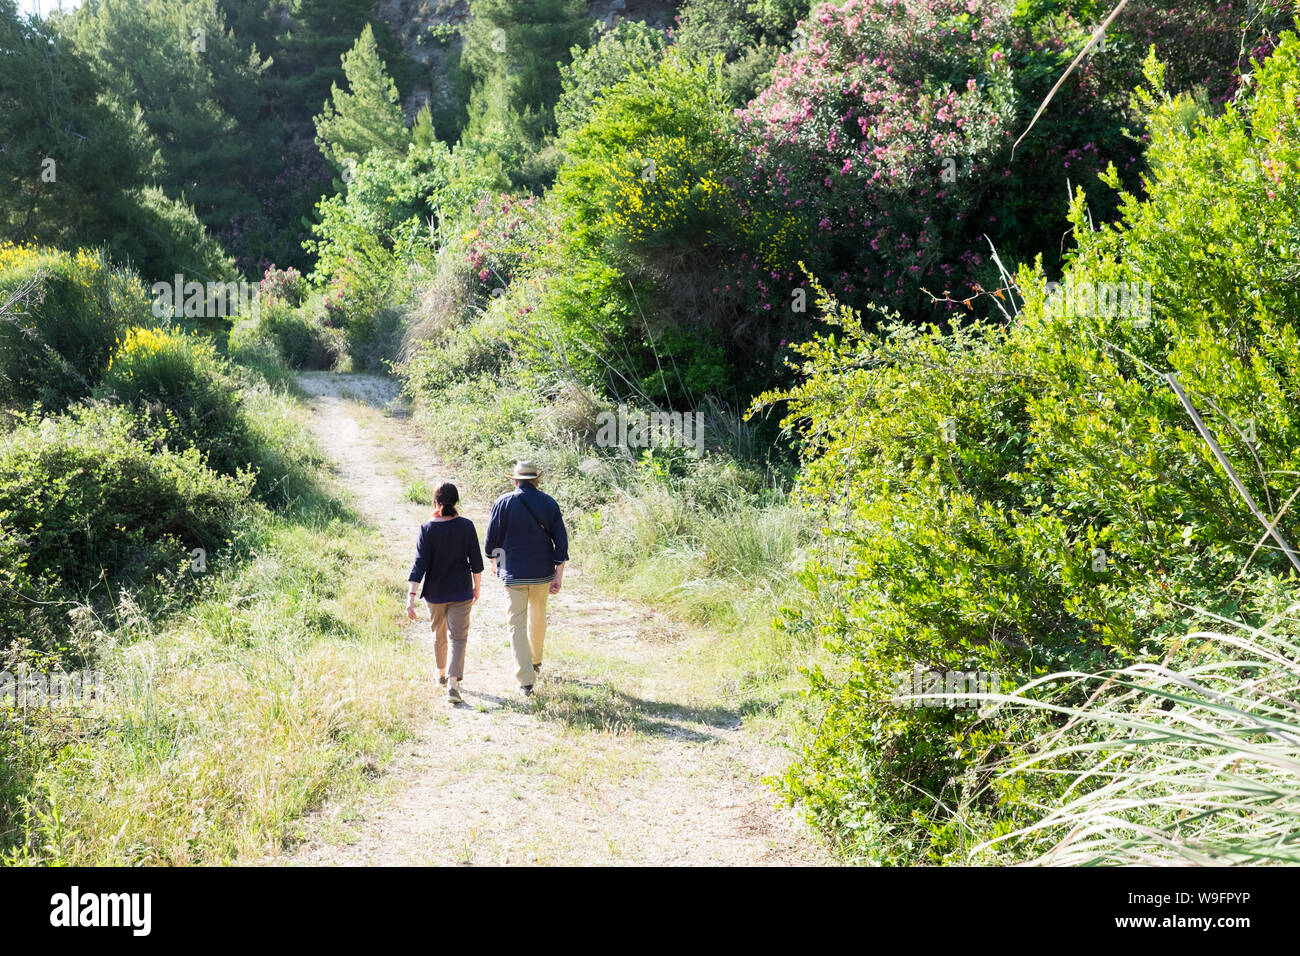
x=527, y=626
x=456, y=618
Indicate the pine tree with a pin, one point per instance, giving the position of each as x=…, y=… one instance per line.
x=422, y=133
x=62, y=151
x=309, y=51
x=199, y=92
x=76, y=171
x=365, y=117
x=513, y=49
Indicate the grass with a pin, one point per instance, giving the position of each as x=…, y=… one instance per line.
x=418, y=493
x=1193, y=760
x=283, y=680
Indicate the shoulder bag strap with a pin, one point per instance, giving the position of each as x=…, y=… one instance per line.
x=524, y=498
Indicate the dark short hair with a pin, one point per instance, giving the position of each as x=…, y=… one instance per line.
x=447, y=496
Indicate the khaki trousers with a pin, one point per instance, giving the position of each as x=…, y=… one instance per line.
x=527, y=626
x=455, y=617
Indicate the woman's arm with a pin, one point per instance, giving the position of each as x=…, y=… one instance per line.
x=410, y=601
x=417, y=575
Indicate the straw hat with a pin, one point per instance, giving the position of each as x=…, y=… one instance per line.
x=525, y=469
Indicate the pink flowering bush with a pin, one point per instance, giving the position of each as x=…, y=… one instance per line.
x=876, y=145
x=287, y=284
x=881, y=154
x=453, y=332
x=499, y=240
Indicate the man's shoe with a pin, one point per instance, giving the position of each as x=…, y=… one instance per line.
x=528, y=690
x=453, y=694
x=443, y=680
x=537, y=668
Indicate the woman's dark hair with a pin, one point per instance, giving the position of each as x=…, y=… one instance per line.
x=447, y=496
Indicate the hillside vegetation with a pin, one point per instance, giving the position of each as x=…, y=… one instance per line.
x=976, y=449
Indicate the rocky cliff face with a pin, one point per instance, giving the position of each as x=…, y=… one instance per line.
x=427, y=31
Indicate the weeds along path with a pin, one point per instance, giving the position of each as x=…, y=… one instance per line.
x=611, y=762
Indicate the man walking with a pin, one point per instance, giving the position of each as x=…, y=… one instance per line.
x=528, y=546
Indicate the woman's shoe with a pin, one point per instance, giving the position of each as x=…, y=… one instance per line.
x=443, y=680
x=453, y=694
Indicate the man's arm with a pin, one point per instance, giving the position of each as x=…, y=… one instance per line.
x=560, y=538
x=495, y=534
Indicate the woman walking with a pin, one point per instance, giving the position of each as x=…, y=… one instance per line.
x=449, y=562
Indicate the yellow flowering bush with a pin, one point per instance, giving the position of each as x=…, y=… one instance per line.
x=15, y=255
x=159, y=362
x=185, y=395
x=66, y=312
x=659, y=194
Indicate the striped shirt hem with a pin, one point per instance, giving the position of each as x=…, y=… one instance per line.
x=512, y=582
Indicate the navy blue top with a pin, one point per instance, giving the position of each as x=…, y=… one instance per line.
x=529, y=553
x=445, y=555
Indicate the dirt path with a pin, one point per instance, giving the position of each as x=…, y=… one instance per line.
x=611, y=762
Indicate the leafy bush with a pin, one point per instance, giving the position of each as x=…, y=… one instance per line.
x=302, y=340
x=82, y=496
x=67, y=313
x=305, y=329
x=365, y=238
x=631, y=47
x=371, y=243
x=189, y=398
x=642, y=218
x=160, y=237
x=1028, y=497
x=465, y=354
x=492, y=242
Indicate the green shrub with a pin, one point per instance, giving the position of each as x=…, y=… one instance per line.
x=366, y=240
x=1031, y=496
x=631, y=47
x=299, y=338
x=67, y=314
x=626, y=293
x=84, y=500
x=466, y=353
x=190, y=397
x=179, y=385
x=161, y=237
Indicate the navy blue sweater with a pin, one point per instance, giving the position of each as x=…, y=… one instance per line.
x=445, y=555
x=529, y=553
